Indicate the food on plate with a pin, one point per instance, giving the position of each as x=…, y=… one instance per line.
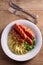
x=22, y=33
x=27, y=31
x=17, y=36
x=21, y=39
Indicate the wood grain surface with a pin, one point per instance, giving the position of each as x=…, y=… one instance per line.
x=34, y=6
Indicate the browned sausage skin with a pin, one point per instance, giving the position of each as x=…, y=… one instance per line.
x=22, y=33
x=27, y=31
x=19, y=38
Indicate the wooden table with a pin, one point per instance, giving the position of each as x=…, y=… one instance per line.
x=34, y=6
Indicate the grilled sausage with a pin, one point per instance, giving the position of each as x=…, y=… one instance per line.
x=27, y=31
x=17, y=36
x=22, y=33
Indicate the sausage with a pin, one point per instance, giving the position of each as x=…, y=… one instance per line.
x=22, y=33
x=19, y=38
x=27, y=31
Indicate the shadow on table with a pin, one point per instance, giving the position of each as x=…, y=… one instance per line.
x=7, y=60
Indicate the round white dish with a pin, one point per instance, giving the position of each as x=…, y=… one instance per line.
x=30, y=54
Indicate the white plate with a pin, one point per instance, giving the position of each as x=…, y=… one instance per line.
x=29, y=55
